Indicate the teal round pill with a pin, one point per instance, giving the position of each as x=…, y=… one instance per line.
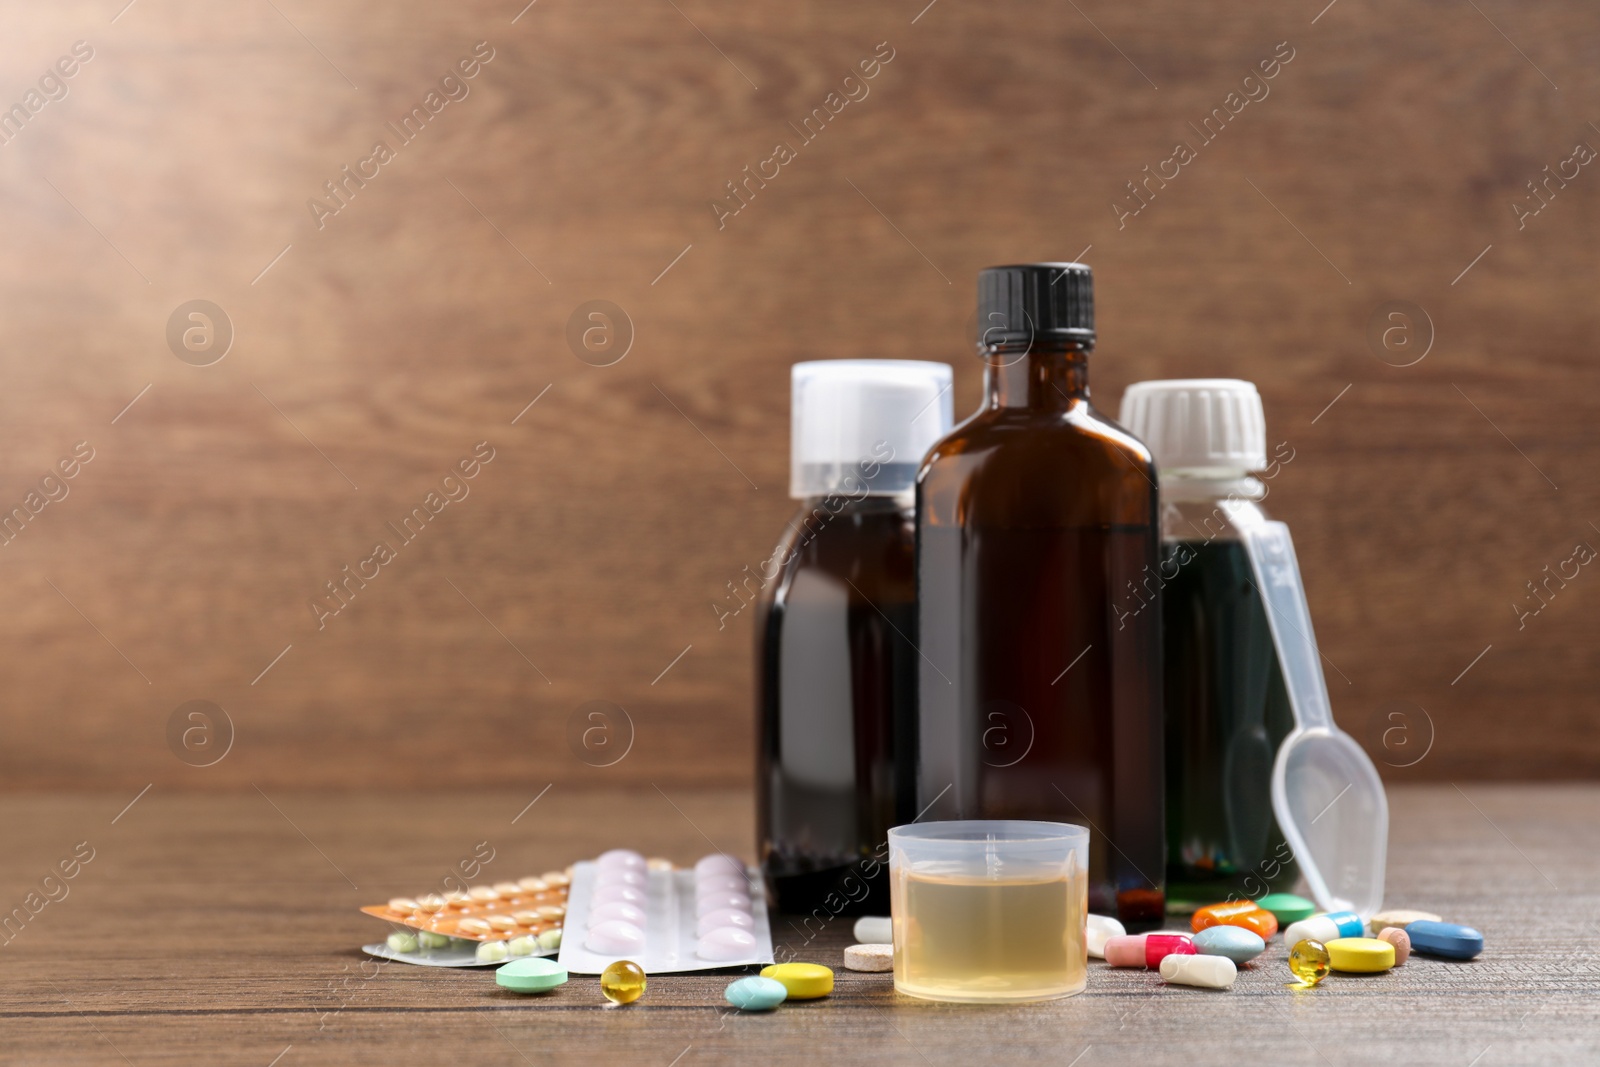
x=1234, y=942
x=756, y=994
x=1287, y=908
x=534, y=974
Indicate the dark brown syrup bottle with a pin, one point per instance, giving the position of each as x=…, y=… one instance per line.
x=1039, y=689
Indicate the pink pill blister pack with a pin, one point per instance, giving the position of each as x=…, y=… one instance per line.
x=665, y=921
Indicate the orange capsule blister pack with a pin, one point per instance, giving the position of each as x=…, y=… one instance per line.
x=504, y=911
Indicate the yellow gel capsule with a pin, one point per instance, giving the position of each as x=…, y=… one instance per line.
x=1360, y=954
x=622, y=982
x=1308, y=961
x=804, y=981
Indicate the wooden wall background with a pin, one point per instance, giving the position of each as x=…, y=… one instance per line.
x=432, y=309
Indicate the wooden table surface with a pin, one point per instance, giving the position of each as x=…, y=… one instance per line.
x=223, y=930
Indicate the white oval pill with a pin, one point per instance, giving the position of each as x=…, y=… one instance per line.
x=717, y=862
x=616, y=909
x=710, y=902
x=622, y=876
x=723, y=917
x=869, y=957
x=874, y=930
x=1096, y=929
x=620, y=859
x=726, y=943
x=605, y=894
x=1206, y=972
x=615, y=938
x=1317, y=928
x=722, y=883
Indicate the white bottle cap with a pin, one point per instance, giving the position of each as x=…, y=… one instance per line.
x=862, y=426
x=1198, y=427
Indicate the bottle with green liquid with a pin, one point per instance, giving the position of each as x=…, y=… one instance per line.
x=1226, y=707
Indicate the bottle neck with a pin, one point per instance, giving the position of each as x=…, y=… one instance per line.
x=1048, y=375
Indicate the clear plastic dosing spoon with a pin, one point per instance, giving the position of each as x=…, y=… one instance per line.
x=1326, y=794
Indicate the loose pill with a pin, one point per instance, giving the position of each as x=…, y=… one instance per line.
x=1206, y=972
x=1097, y=928
x=1361, y=955
x=531, y=975
x=874, y=930
x=1399, y=917
x=726, y=943
x=804, y=981
x=550, y=940
x=1400, y=940
x=869, y=957
x=1450, y=940
x=1308, y=961
x=623, y=982
x=1287, y=908
x=402, y=941
x=1234, y=943
x=711, y=920
x=427, y=939
x=1145, y=950
x=756, y=994
x=1325, y=928
x=615, y=938
x=491, y=951
x=522, y=946
x=1242, y=913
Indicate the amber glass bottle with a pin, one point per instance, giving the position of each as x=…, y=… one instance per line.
x=1039, y=688
x=836, y=674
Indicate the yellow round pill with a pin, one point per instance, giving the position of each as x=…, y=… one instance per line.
x=1360, y=954
x=804, y=981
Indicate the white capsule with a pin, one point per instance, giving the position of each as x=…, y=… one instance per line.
x=615, y=938
x=1096, y=929
x=1317, y=928
x=726, y=943
x=874, y=930
x=1206, y=972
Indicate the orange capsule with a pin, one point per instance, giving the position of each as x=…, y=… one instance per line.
x=1242, y=913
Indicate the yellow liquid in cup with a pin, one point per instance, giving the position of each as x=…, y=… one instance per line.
x=976, y=940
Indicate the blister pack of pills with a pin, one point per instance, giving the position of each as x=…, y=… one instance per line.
x=665, y=920
x=478, y=926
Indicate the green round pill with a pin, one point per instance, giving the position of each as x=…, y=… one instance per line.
x=1287, y=908
x=531, y=975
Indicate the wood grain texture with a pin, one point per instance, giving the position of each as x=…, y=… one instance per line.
x=209, y=930
x=432, y=308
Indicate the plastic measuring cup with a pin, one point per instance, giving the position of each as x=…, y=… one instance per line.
x=1326, y=794
x=989, y=912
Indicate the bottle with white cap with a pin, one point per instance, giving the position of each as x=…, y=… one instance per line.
x=1227, y=707
x=836, y=657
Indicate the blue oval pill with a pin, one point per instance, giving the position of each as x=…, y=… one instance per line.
x=756, y=994
x=1450, y=940
x=1234, y=942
